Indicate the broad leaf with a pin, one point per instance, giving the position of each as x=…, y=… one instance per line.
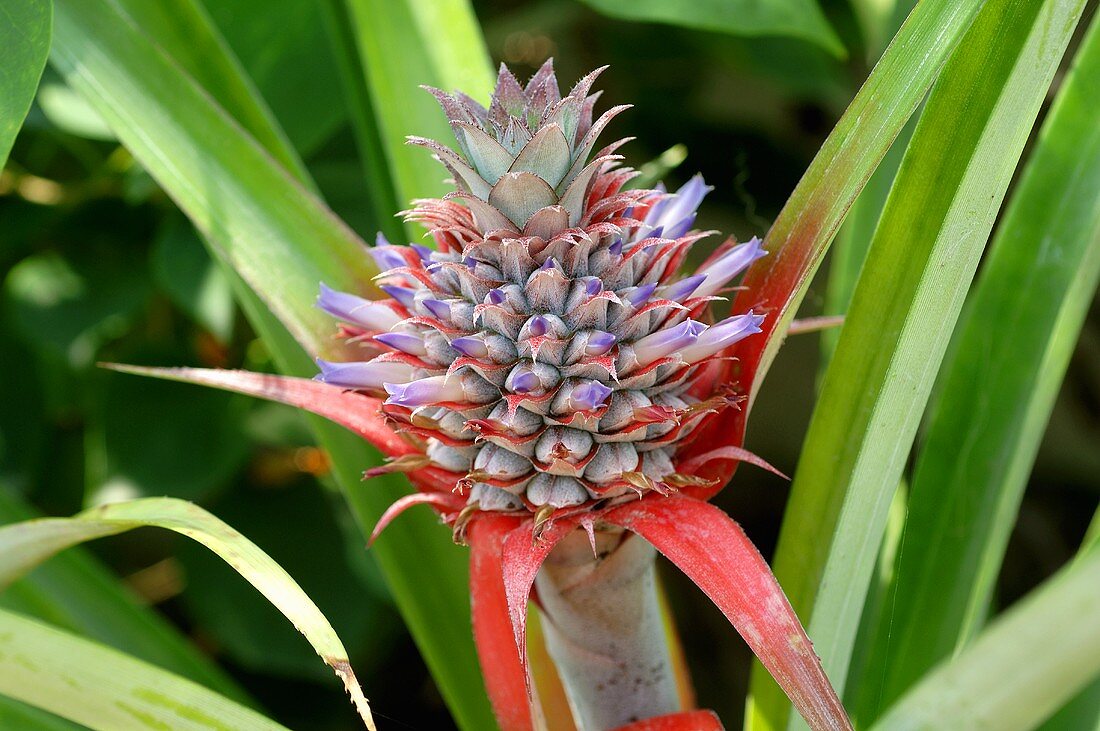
x=808, y=222
x=104, y=689
x=926, y=248
x=402, y=47
x=25, y=545
x=795, y=18
x=75, y=592
x=1021, y=669
x=997, y=391
x=278, y=237
x=25, y=38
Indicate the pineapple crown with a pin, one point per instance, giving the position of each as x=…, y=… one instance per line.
x=546, y=356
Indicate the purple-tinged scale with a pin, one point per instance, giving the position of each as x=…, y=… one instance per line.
x=588, y=396
x=495, y=297
x=424, y=252
x=599, y=342
x=405, y=342
x=593, y=287
x=616, y=246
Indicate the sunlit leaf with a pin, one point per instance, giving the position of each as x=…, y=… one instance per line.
x=73, y=591
x=926, y=248
x=277, y=236
x=105, y=689
x=24, y=545
x=996, y=392
x=1019, y=670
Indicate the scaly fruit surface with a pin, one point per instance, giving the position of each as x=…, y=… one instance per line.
x=545, y=352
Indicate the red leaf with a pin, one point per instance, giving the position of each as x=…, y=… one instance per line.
x=504, y=672
x=439, y=500
x=351, y=409
x=687, y=721
x=522, y=557
x=708, y=546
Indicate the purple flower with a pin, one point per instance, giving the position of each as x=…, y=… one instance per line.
x=439, y=309
x=372, y=374
x=720, y=336
x=356, y=310
x=729, y=265
x=681, y=290
x=471, y=345
x=405, y=342
x=404, y=295
x=425, y=391
x=665, y=342
x=588, y=396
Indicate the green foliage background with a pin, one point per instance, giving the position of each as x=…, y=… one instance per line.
x=97, y=264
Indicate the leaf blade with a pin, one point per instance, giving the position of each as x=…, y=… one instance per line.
x=24, y=545
x=926, y=248
x=998, y=387
x=105, y=689
x=25, y=37
x=795, y=18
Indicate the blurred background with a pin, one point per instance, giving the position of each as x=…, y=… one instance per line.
x=97, y=265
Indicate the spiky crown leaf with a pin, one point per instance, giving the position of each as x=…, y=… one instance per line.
x=546, y=353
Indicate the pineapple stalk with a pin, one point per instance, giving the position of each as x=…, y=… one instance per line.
x=603, y=628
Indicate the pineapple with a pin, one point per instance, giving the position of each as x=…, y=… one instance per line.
x=545, y=351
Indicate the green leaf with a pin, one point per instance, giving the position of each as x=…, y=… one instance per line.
x=926, y=248
x=996, y=392
x=76, y=592
x=278, y=237
x=1019, y=670
x=24, y=545
x=105, y=689
x=287, y=56
x=25, y=38
x=15, y=714
x=402, y=48
x=795, y=18
x=185, y=33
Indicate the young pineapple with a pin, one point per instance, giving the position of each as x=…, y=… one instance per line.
x=545, y=351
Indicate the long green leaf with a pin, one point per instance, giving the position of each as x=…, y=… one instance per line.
x=405, y=44
x=997, y=391
x=1021, y=669
x=795, y=18
x=25, y=38
x=280, y=238
x=105, y=689
x=75, y=592
x=817, y=207
x=372, y=157
x=910, y=290
x=183, y=30
x=27, y=544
